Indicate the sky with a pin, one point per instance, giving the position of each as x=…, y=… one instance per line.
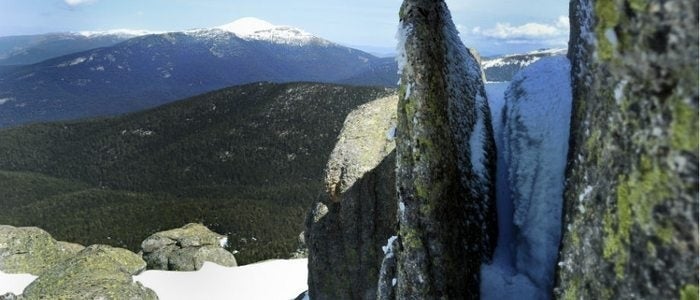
x=490, y=26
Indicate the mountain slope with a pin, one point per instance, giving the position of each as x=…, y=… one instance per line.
x=152, y=70
x=30, y=49
x=245, y=160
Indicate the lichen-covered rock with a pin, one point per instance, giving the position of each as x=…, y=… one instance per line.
x=10, y=296
x=446, y=159
x=356, y=213
x=96, y=272
x=31, y=250
x=631, y=205
x=186, y=249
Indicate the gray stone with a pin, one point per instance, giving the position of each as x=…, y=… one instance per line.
x=10, y=296
x=356, y=213
x=446, y=160
x=185, y=249
x=97, y=272
x=631, y=205
x=31, y=250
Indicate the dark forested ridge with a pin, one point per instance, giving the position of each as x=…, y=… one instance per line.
x=245, y=161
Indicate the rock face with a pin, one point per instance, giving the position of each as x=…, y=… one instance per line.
x=631, y=204
x=186, y=249
x=31, y=250
x=356, y=213
x=445, y=160
x=97, y=272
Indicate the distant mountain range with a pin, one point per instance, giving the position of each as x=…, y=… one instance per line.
x=246, y=161
x=30, y=49
x=151, y=70
x=503, y=68
x=122, y=71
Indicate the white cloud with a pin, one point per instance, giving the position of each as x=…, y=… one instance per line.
x=78, y=2
x=528, y=31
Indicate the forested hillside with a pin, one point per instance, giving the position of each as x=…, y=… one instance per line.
x=245, y=161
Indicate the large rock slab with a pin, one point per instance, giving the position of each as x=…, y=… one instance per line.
x=354, y=216
x=631, y=203
x=96, y=272
x=31, y=250
x=186, y=249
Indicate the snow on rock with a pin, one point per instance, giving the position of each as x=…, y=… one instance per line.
x=273, y=279
x=14, y=283
x=536, y=134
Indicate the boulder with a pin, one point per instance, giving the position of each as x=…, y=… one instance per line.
x=356, y=212
x=96, y=272
x=31, y=250
x=631, y=202
x=186, y=249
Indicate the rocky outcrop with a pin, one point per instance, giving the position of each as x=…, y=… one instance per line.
x=631, y=204
x=96, y=272
x=356, y=213
x=31, y=250
x=186, y=249
x=445, y=160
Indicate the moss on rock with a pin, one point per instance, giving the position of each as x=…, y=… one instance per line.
x=31, y=250
x=96, y=272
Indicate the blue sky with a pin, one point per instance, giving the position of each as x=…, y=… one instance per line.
x=491, y=26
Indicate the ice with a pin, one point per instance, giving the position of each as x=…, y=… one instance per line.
x=532, y=135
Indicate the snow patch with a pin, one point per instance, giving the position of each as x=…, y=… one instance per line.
x=14, y=283
x=5, y=100
x=273, y=279
x=74, y=62
x=118, y=32
x=388, y=248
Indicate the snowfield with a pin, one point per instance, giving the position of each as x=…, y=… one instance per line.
x=272, y=279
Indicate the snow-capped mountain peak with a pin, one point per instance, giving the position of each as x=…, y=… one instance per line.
x=255, y=29
x=246, y=26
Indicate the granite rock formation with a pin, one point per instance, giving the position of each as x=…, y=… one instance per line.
x=446, y=159
x=356, y=212
x=631, y=204
x=186, y=249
